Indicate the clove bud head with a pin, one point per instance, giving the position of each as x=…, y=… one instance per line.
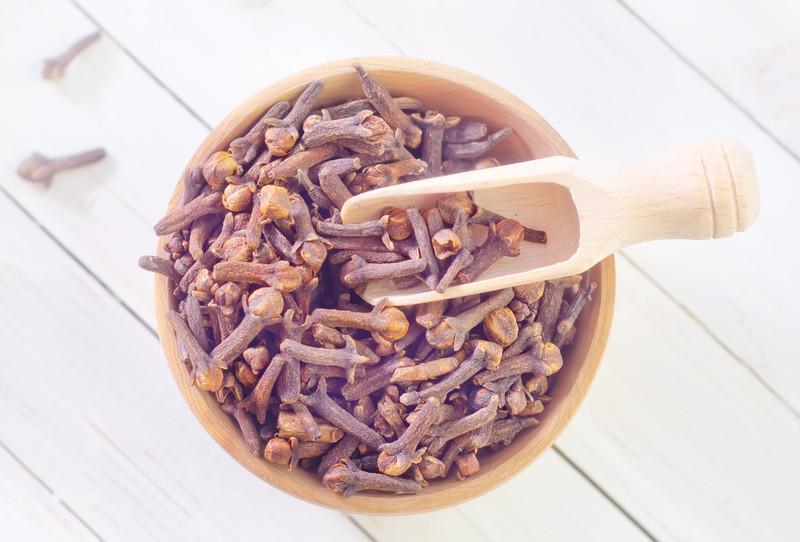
x=490, y=351
x=236, y=249
x=396, y=465
x=237, y=197
x=511, y=233
x=341, y=479
x=529, y=293
x=281, y=139
x=397, y=224
x=449, y=207
x=551, y=358
x=445, y=243
x=219, y=166
x=265, y=303
x=394, y=324
x=501, y=326
x=274, y=203
x=278, y=450
x=432, y=467
x=209, y=378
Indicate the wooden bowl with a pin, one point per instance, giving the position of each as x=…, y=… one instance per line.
x=453, y=92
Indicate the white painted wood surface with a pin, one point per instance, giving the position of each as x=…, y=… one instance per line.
x=691, y=430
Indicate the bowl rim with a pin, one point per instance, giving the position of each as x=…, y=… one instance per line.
x=227, y=434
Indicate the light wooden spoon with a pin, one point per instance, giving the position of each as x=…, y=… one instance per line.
x=699, y=191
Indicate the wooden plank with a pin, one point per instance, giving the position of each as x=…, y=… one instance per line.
x=89, y=406
x=102, y=212
x=30, y=511
x=541, y=503
x=230, y=50
x=680, y=434
x=750, y=54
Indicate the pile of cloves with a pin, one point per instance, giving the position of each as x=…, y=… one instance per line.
x=266, y=276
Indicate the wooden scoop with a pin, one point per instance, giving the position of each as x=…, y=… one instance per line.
x=699, y=191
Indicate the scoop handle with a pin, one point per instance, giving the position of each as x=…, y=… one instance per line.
x=702, y=190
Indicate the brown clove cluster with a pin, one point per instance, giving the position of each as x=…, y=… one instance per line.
x=265, y=274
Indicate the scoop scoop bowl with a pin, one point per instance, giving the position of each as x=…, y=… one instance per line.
x=702, y=190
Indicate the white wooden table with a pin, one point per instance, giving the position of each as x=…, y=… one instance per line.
x=691, y=430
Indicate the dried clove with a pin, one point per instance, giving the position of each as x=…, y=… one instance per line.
x=504, y=240
x=452, y=331
x=568, y=321
x=433, y=126
x=347, y=358
x=474, y=149
x=290, y=424
x=218, y=167
x=388, y=109
x=377, y=378
x=333, y=187
x=431, y=313
x=465, y=131
x=364, y=229
x=40, y=169
x=54, y=67
x=161, y=266
x=312, y=248
x=281, y=137
x=425, y=371
x=500, y=326
x=206, y=372
x=389, y=322
x=363, y=272
x=292, y=165
x=252, y=439
x=545, y=361
x=484, y=354
x=258, y=400
x=183, y=216
x=422, y=236
x=244, y=148
x=448, y=431
x=263, y=307
x=381, y=175
x=397, y=456
x=550, y=304
x=346, y=478
x=324, y=406
x=279, y=275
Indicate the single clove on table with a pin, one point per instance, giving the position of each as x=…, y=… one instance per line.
x=268, y=319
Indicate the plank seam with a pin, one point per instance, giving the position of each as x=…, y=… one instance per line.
x=725, y=95
x=375, y=28
x=712, y=335
x=39, y=479
x=78, y=261
x=144, y=68
x=79, y=518
x=604, y=493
